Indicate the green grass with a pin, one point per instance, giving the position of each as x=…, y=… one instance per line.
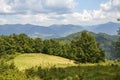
x=47, y=67
x=26, y=61
x=96, y=72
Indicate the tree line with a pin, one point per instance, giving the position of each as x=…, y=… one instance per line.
x=84, y=49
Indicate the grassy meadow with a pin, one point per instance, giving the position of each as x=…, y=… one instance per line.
x=26, y=61
x=48, y=67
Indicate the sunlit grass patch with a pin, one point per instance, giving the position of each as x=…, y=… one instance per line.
x=25, y=61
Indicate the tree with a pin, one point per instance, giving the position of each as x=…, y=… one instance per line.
x=6, y=45
x=38, y=45
x=84, y=49
x=88, y=49
x=117, y=45
x=46, y=46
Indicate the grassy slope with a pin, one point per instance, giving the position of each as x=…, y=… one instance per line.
x=25, y=61
x=109, y=70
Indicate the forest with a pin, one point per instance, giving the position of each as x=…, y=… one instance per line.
x=84, y=49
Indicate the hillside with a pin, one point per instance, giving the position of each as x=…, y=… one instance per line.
x=56, y=31
x=25, y=61
x=106, y=42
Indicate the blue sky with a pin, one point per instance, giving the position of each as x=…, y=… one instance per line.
x=48, y=12
x=89, y=4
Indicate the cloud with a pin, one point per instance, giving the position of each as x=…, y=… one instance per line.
x=111, y=9
x=48, y=12
x=36, y=6
x=4, y=7
x=108, y=11
x=59, y=6
x=112, y=5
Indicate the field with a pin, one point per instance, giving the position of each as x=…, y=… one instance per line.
x=26, y=61
x=47, y=67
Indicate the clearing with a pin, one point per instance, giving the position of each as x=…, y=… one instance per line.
x=26, y=61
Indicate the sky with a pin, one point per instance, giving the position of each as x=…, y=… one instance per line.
x=49, y=12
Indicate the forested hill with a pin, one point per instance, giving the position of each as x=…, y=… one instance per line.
x=96, y=35
x=106, y=41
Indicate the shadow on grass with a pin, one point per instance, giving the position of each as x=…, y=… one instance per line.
x=97, y=72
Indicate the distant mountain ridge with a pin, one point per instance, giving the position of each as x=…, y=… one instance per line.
x=55, y=31
x=109, y=28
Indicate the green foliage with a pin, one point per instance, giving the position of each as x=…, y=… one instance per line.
x=117, y=46
x=88, y=49
x=6, y=45
x=10, y=72
x=38, y=45
x=85, y=49
x=106, y=42
x=97, y=72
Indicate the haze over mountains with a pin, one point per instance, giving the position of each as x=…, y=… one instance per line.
x=55, y=31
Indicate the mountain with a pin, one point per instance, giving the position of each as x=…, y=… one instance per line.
x=109, y=28
x=106, y=42
x=44, y=32
x=55, y=31
x=64, y=30
x=32, y=30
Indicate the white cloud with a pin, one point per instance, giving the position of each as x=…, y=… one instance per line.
x=48, y=12
x=85, y=16
x=111, y=5
x=108, y=11
x=106, y=6
x=59, y=5
x=41, y=6
x=4, y=7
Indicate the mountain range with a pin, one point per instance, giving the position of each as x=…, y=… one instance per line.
x=56, y=31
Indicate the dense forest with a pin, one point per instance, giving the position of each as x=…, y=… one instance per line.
x=84, y=49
